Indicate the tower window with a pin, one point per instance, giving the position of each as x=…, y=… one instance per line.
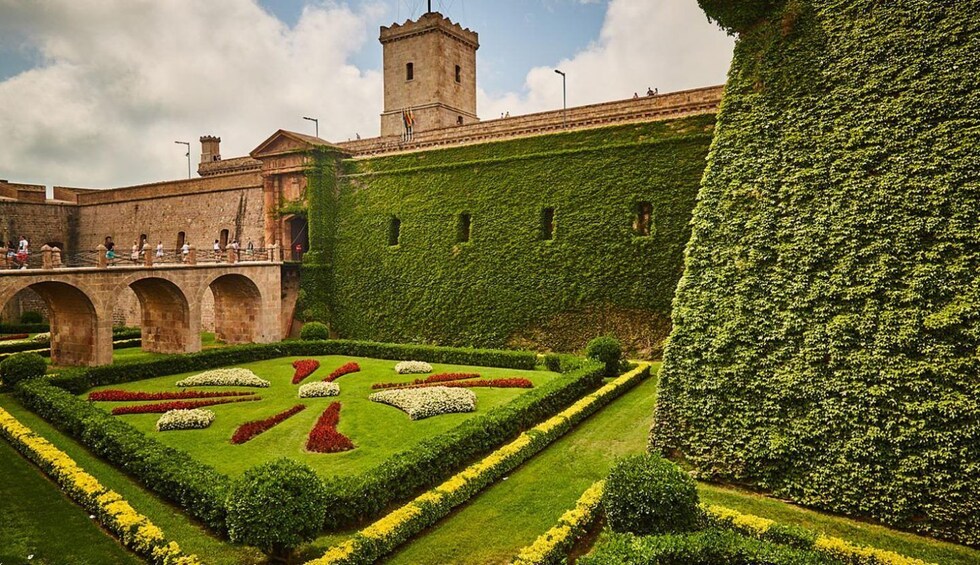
x=547, y=223
x=459, y=77
x=459, y=120
x=643, y=220
x=463, y=228
x=394, y=231
x=180, y=240
x=409, y=71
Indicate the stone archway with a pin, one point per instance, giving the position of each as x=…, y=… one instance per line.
x=237, y=309
x=80, y=335
x=167, y=324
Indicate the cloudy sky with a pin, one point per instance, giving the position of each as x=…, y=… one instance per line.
x=93, y=93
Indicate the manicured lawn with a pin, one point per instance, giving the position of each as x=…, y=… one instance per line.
x=512, y=513
x=134, y=354
x=377, y=430
x=39, y=521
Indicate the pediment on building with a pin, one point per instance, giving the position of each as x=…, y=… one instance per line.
x=285, y=142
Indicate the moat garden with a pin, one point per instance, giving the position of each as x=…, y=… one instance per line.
x=330, y=451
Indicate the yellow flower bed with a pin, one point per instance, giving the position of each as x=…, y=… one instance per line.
x=836, y=548
x=552, y=546
x=135, y=530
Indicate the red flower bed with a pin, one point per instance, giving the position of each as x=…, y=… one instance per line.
x=324, y=437
x=304, y=368
x=439, y=378
x=344, y=369
x=162, y=407
x=513, y=382
x=14, y=336
x=114, y=395
x=248, y=430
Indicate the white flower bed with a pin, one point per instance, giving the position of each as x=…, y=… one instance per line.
x=319, y=388
x=411, y=367
x=194, y=419
x=224, y=377
x=421, y=403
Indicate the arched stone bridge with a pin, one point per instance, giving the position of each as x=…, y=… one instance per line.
x=247, y=305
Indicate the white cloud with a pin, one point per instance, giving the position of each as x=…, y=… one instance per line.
x=664, y=44
x=123, y=79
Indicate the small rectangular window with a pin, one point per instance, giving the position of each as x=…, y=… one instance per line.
x=547, y=223
x=394, y=231
x=463, y=228
x=409, y=71
x=459, y=74
x=644, y=218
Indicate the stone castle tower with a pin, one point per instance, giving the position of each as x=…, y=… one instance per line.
x=430, y=69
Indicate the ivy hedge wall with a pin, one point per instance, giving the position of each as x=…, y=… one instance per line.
x=826, y=328
x=507, y=286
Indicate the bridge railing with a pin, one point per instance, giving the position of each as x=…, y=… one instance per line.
x=54, y=258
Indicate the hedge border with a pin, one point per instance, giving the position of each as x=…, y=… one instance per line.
x=553, y=546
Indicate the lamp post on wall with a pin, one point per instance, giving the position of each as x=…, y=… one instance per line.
x=316, y=124
x=564, y=100
x=187, y=143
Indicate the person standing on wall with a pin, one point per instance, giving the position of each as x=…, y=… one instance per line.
x=184, y=250
x=159, y=252
x=250, y=248
x=217, y=251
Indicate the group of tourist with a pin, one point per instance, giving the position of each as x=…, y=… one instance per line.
x=137, y=254
x=18, y=255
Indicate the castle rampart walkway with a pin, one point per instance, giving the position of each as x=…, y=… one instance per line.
x=80, y=300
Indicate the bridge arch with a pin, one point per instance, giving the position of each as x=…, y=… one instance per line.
x=238, y=309
x=81, y=332
x=169, y=323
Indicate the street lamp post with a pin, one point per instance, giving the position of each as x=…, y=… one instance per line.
x=187, y=143
x=564, y=100
x=316, y=124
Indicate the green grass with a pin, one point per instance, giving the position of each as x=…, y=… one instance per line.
x=377, y=430
x=39, y=521
x=135, y=354
x=512, y=513
x=175, y=524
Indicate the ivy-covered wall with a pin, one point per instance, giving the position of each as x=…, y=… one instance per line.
x=507, y=286
x=826, y=328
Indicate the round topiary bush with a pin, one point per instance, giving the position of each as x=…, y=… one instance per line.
x=21, y=366
x=314, y=330
x=276, y=507
x=606, y=349
x=646, y=494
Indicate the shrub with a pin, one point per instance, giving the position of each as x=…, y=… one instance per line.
x=646, y=494
x=552, y=362
x=275, y=507
x=607, y=350
x=21, y=366
x=31, y=317
x=314, y=331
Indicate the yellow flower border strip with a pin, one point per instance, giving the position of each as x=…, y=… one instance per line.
x=836, y=548
x=552, y=546
x=384, y=535
x=134, y=530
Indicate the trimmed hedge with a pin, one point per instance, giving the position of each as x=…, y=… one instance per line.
x=827, y=325
x=507, y=286
x=24, y=328
x=81, y=379
x=646, y=494
x=707, y=546
x=197, y=488
x=20, y=367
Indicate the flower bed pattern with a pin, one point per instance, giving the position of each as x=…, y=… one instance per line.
x=410, y=367
x=319, y=389
x=249, y=430
x=440, y=378
x=180, y=419
x=135, y=530
x=345, y=369
x=514, y=382
x=552, y=547
x=224, y=377
x=13, y=337
x=162, y=407
x=769, y=530
x=429, y=401
x=304, y=368
x=383, y=536
x=324, y=437
x=113, y=395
